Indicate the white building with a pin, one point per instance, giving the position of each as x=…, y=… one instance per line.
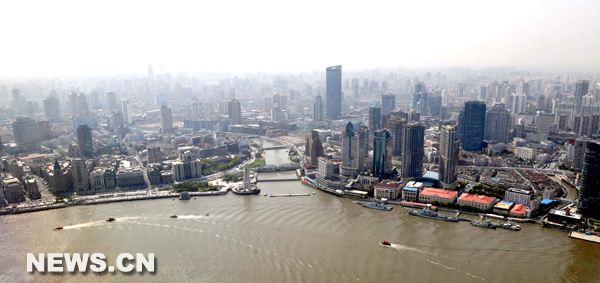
x=525, y=152
x=388, y=191
x=430, y=195
x=476, y=201
x=410, y=192
x=518, y=196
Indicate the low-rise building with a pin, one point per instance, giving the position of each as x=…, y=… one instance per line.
x=130, y=178
x=518, y=196
x=388, y=191
x=430, y=195
x=13, y=190
x=480, y=202
x=520, y=210
x=525, y=153
x=503, y=207
x=97, y=184
x=410, y=192
x=31, y=187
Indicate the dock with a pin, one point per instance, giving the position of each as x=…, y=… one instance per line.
x=592, y=238
x=290, y=195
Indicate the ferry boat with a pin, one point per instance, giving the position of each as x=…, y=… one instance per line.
x=376, y=205
x=385, y=243
x=174, y=216
x=511, y=226
x=428, y=213
x=58, y=228
x=484, y=224
x=110, y=219
x=185, y=196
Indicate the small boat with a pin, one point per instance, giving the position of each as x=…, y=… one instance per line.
x=265, y=194
x=194, y=198
x=174, y=216
x=385, y=243
x=314, y=193
x=58, y=228
x=110, y=219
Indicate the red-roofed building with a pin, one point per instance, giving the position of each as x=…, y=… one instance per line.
x=429, y=195
x=476, y=201
x=389, y=191
x=520, y=210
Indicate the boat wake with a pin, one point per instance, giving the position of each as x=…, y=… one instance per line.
x=411, y=249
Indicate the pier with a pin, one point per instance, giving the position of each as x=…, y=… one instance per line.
x=592, y=237
x=290, y=195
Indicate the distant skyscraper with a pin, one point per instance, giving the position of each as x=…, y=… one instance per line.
x=374, y=118
x=126, y=110
x=497, y=124
x=382, y=154
x=562, y=122
x=268, y=104
x=111, y=99
x=166, y=119
x=17, y=102
x=581, y=89
x=150, y=73
x=334, y=92
x=471, y=125
x=26, y=133
x=543, y=122
x=235, y=112
x=449, y=151
x=318, y=108
x=483, y=89
x=395, y=125
x=413, y=150
x=208, y=110
x=52, y=108
x=388, y=103
x=85, y=143
x=353, y=149
x=314, y=147
x=589, y=190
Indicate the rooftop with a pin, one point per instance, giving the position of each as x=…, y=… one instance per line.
x=439, y=192
x=518, y=209
x=393, y=186
x=503, y=205
x=476, y=198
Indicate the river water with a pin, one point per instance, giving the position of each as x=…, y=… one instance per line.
x=317, y=238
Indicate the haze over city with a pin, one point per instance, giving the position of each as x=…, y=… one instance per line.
x=96, y=38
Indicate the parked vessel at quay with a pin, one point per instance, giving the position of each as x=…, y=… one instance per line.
x=511, y=226
x=375, y=205
x=484, y=224
x=428, y=213
x=185, y=196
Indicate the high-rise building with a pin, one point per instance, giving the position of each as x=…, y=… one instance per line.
x=318, y=108
x=126, y=110
x=154, y=155
x=44, y=130
x=81, y=177
x=150, y=73
x=577, y=124
x=449, y=154
x=208, y=110
x=483, y=89
x=268, y=104
x=333, y=96
x=382, y=154
x=314, y=147
x=52, y=109
x=82, y=107
x=562, y=122
x=374, y=118
x=413, y=150
x=395, y=125
x=17, y=102
x=581, y=89
x=187, y=165
x=85, y=143
x=471, y=125
x=111, y=100
x=589, y=190
x=353, y=149
x=543, y=123
x=579, y=153
x=26, y=133
x=235, y=112
x=497, y=124
x=388, y=103
x=166, y=119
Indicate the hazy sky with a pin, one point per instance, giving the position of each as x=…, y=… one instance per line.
x=76, y=37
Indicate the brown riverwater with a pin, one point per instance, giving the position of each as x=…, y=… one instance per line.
x=317, y=238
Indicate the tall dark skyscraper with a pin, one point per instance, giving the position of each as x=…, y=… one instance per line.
x=382, y=154
x=589, y=190
x=394, y=125
x=581, y=89
x=318, y=108
x=374, y=118
x=333, y=98
x=471, y=125
x=449, y=151
x=388, y=103
x=85, y=143
x=413, y=150
x=353, y=149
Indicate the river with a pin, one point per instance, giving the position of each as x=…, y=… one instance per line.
x=317, y=238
